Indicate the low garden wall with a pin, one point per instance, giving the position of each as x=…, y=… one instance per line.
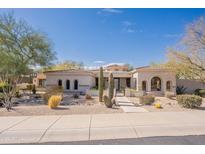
x=190, y=85
x=133, y=93
x=95, y=92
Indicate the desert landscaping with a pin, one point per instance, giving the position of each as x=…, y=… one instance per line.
x=28, y=106
x=167, y=105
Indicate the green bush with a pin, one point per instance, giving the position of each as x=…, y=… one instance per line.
x=200, y=92
x=147, y=99
x=189, y=101
x=57, y=90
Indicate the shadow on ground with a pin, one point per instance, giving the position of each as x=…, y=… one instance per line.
x=162, y=140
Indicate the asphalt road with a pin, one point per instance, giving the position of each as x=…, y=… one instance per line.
x=164, y=140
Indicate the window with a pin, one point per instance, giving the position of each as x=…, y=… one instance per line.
x=67, y=84
x=156, y=84
x=168, y=85
x=59, y=82
x=76, y=85
x=144, y=85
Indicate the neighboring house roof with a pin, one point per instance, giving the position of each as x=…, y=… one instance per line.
x=152, y=68
x=116, y=74
x=41, y=76
x=116, y=67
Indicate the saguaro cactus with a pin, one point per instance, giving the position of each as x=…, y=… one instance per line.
x=100, y=86
x=111, y=87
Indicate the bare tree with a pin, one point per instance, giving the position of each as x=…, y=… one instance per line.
x=189, y=57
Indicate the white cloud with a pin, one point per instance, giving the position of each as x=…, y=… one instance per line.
x=130, y=30
x=99, y=62
x=109, y=11
x=129, y=27
x=128, y=23
x=173, y=35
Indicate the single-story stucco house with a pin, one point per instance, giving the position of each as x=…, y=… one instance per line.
x=148, y=79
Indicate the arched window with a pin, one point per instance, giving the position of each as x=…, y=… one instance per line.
x=59, y=82
x=76, y=85
x=67, y=84
x=156, y=84
x=168, y=85
x=144, y=85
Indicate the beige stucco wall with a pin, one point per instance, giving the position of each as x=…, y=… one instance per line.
x=148, y=75
x=190, y=85
x=84, y=81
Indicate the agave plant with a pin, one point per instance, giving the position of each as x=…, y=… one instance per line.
x=180, y=90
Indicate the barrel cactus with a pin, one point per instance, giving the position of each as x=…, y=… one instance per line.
x=100, y=87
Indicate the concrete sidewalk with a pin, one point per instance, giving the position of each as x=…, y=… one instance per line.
x=40, y=129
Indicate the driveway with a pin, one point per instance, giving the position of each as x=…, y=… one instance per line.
x=66, y=128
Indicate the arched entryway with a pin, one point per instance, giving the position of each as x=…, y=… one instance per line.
x=76, y=85
x=68, y=84
x=156, y=84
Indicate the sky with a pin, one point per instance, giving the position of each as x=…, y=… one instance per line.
x=102, y=36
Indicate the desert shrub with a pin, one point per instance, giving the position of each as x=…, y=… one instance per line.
x=107, y=101
x=29, y=87
x=180, y=90
x=17, y=93
x=3, y=86
x=1, y=99
x=76, y=96
x=34, y=89
x=158, y=105
x=87, y=96
x=200, y=92
x=54, y=101
x=189, y=101
x=147, y=99
x=57, y=90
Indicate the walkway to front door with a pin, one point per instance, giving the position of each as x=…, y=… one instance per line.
x=127, y=105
